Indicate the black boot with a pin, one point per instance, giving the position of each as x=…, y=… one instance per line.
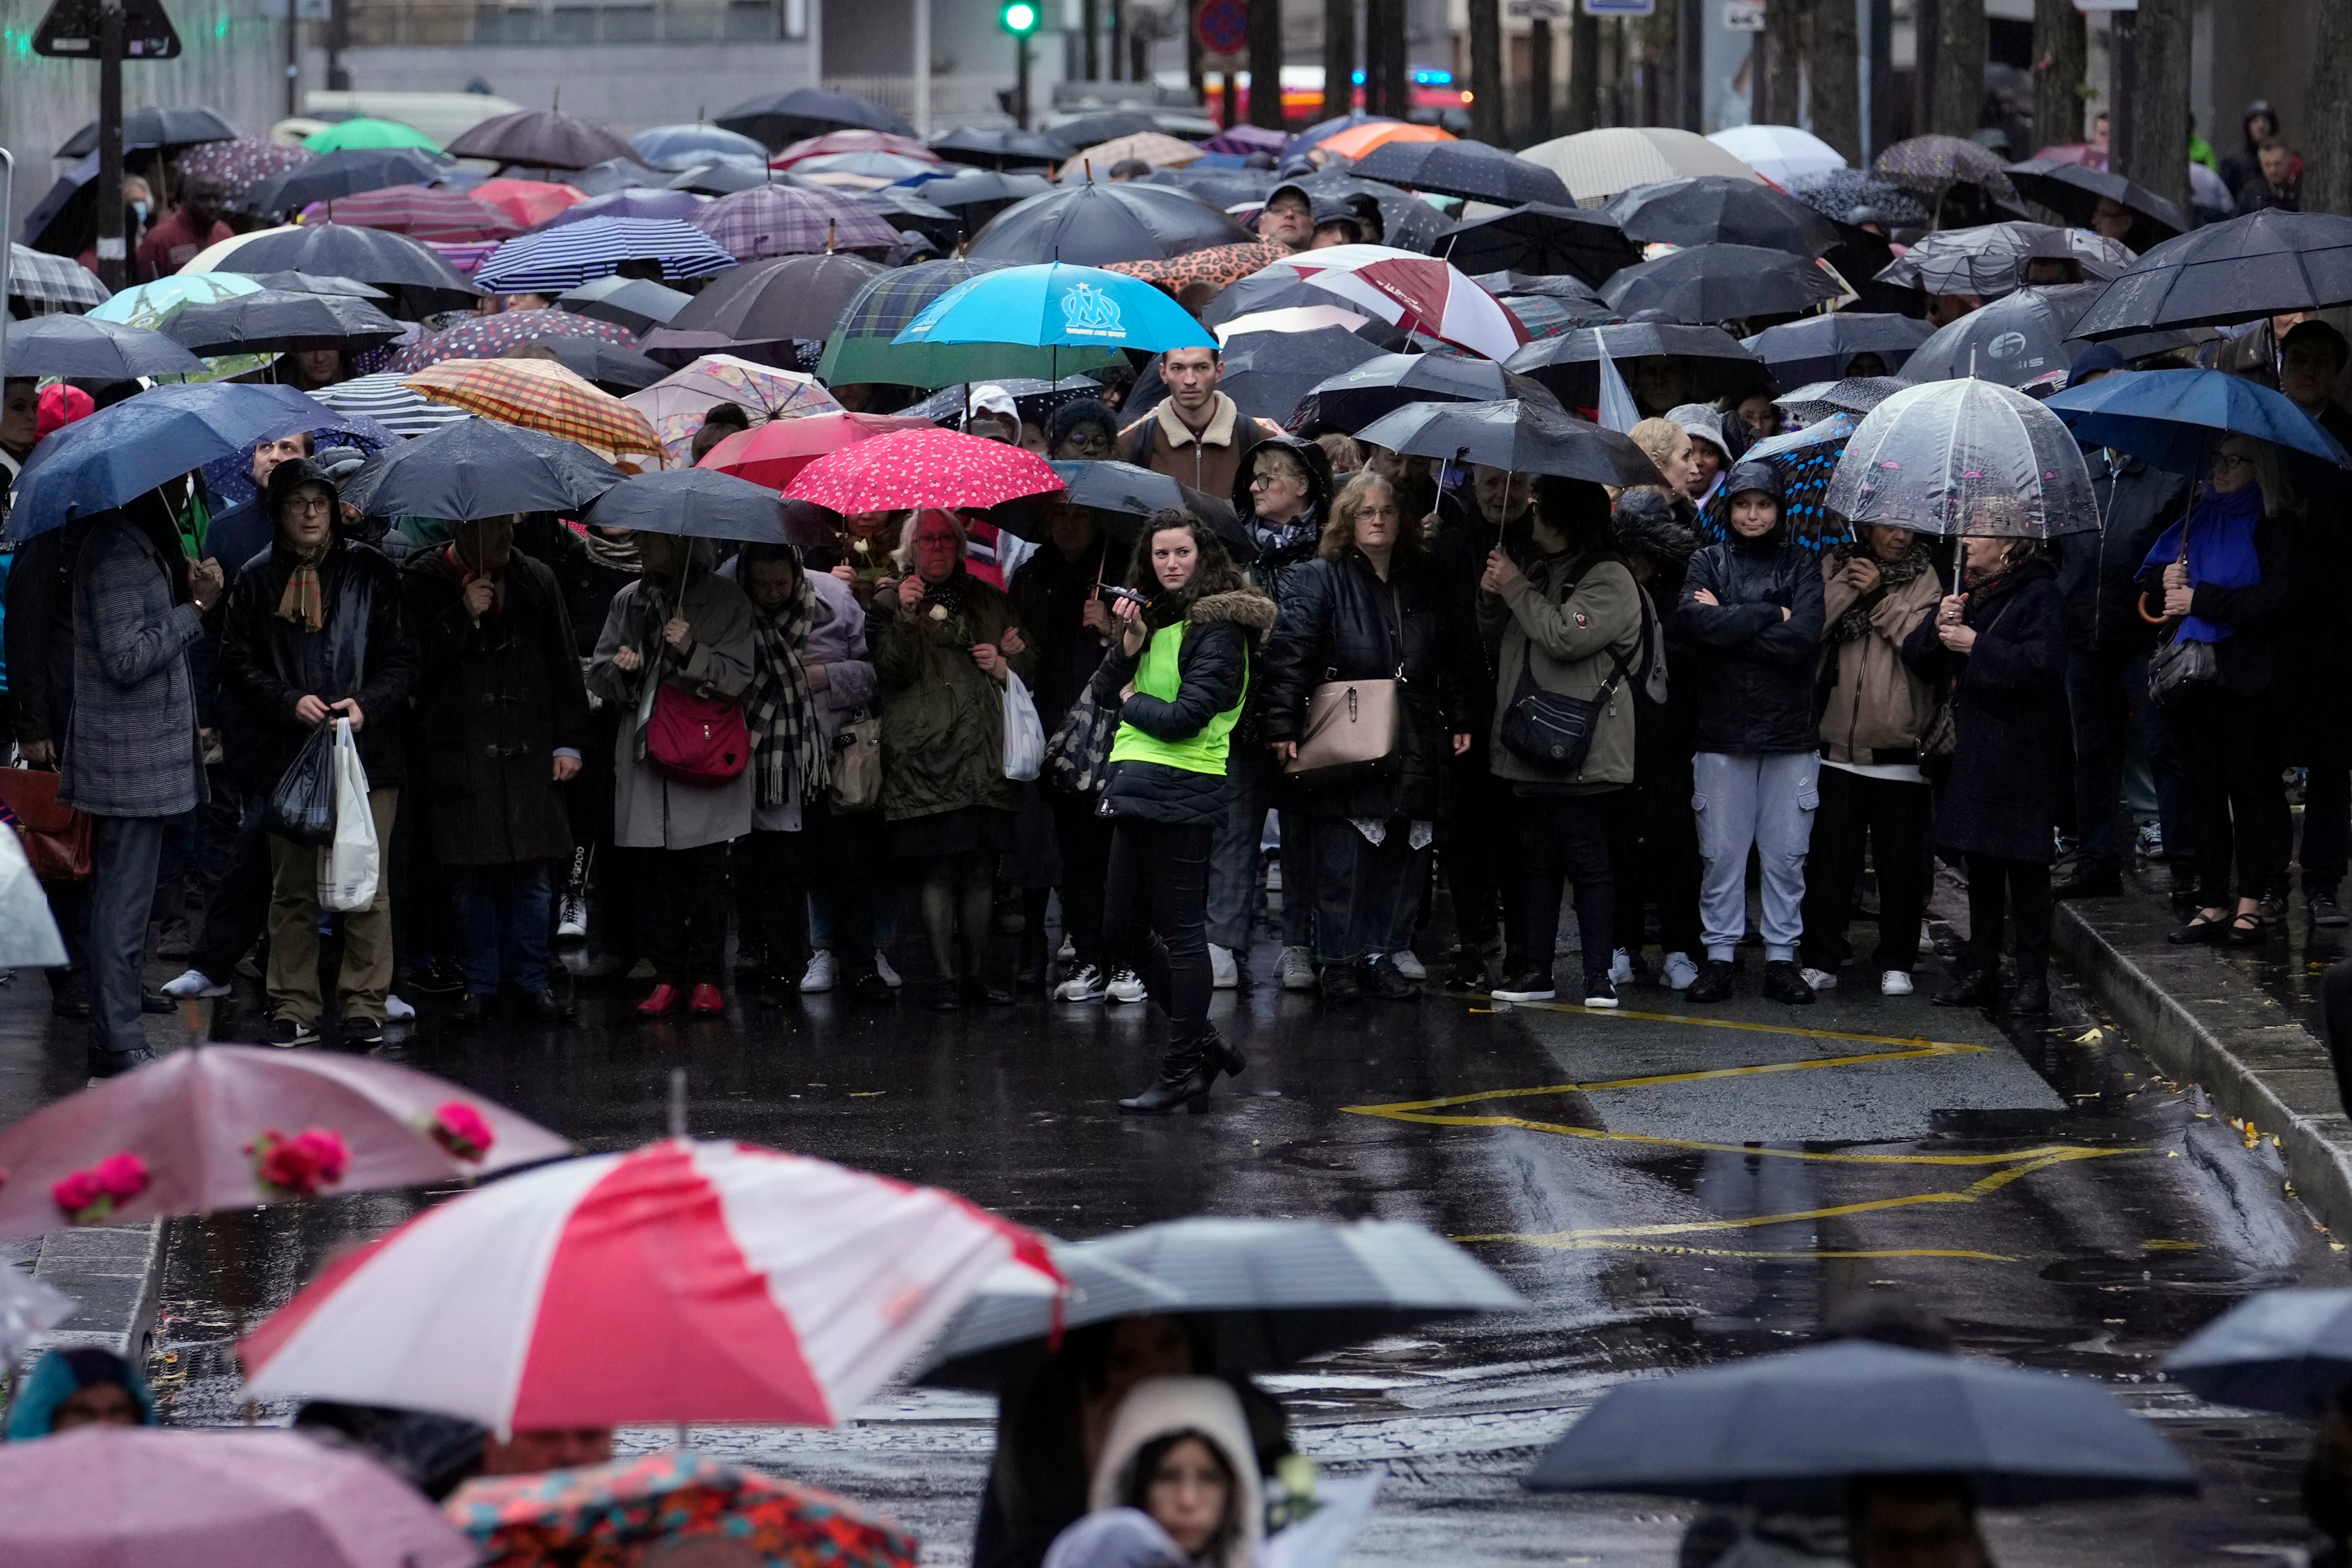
x=1975, y=988
x=1226, y=1056
x=1339, y=983
x=2029, y=997
x=1184, y=1077
x=1714, y=983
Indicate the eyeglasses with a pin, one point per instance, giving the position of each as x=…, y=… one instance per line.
x=2222, y=460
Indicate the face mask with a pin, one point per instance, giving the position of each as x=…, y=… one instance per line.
x=139, y=213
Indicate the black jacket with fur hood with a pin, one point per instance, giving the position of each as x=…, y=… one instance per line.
x=1221, y=632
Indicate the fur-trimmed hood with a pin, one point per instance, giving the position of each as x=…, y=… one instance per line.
x=1647, y=519
x=1247, y=608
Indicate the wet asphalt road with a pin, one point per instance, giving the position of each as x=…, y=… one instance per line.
x=1668, y=1190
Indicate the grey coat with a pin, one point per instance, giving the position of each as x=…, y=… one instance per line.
x=837, y=639
x=130, y=748
x=650, y=812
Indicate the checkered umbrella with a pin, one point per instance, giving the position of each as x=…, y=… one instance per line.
x=539, y=394
x=569, y=255
x=238, y=166
x=486, y=337
x=422, y=211
x=790, y=220
x=922, y=469
x=51, y=279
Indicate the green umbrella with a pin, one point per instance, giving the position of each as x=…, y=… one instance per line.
x=368, y=133
x=860, y=348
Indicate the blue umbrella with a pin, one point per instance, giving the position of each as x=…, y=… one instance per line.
x=121, y=453
x=1057, y=305
x=695, y=503
x=2172, y=419
x=2282, y=1350
x=1806, y=459
x=566, y=257
x=681, y=147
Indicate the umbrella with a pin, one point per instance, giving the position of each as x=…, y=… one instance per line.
x=387, y=399
x=676, y=404
x=2281, y=1350
x=214, y=1500
x=192, y=1124
x=1386, y=382
x=529, y=203
x=272, y=322
x=1549, y=316
x=1989, y=259
x=1270, y=289
x=479, y=468
x=1856, y=394
x=999, y=147
x=1276, y=1292
x=790, y=220
x=367, y=135
x=2264, y=264
x=51, y=279
x=1712, y=209
x=1840, y=194
x=1124, y=497
x=907, y=468
x=1931, y=166
x=87, y=346
x=1407, y=223
x=451, y=217
x=834, y=142
x=1819, y=348
x=976, y=196
x=694, y=503
x=28, y=1304
x=1517, y=434
x=681, y=147
x=167, y=128
x=1093, y=130
x=2030, y=334
x=308, y=283
x=1722, y=283
x=1268, y=373
x=1540, y=238
x=778, y=120
x=1303, y=320
x=2075, y=194
x=409, y=267
x=788, y=299
x=351, y=174
x=862, y=171
x=1965, y=457
x=860, y=348
x=634, y=202
x=1096, y=223
x=612, y=368
x=1779, y=153
x=237, y=167
x=615, y=174
x=1246, y=139
x=1597, y=164
x=1504, y=285
x=539, y=394
x=636, y=303
x=1224, y=189
x=486, y=337
x=1355, y=143
x=2172, y=419
x=1056, y=304
x=1323, y=131
x=1468, y=169
x=899, y=207
x=502, y=1305
x=1036, y=400
x=1806, y=460
x=726, y=177
x=1854, y=1408
x=569, y=255
x=1704, y=361
x=1220, y=266
x=123, y=452
x=1157, y=148
x=541, y=139
x=151, y=304
x=773, y=455
x=1413, y=294
x=615, y=1513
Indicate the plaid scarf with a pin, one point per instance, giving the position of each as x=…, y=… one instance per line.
x=1854, y=625
x=301, y=602
x=786, y=740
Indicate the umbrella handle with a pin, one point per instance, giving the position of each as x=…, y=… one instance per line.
x=2151, y=620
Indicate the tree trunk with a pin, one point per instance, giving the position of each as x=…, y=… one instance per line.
x=1486, y=71
x=1384, y=57
x=1338, y=57
x=1090, y=46
x=1837, y=78
x=1960, y=67
x=2157, y=153
x=1583, y=72
x=1779, y=91
x=2327, y=114
x=1538, y=81
x=2060, y=54
x=1266, y=64
x=1195, y=67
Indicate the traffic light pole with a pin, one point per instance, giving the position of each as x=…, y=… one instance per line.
x=113, y=257
x=1021, y=80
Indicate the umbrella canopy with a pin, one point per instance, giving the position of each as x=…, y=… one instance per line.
x=1224, y=189
x=560, y=1297
x=1413, y=294
x=1386, y=382
x=214, y=1500
x=1701, y=363
x=726, y=177
x=1093, y=130
x=999, y=147
x=1969, y=458
x=1712, y=209
x=238, y=166
x=151, y=304
x=541, y=139
x=529, y=203
x=1930, y=167
x=479, y=468
x=1524, y=437
x=1267, y=374
x=1779, y=153
x=1468, y=169
x=1853, y=1408
x=1123, y=496
x=835, y=141
x=51, y=279
x=1407, y=223
x=791, y=220
x=1989, y=259
x=175, y=126
x=1155, y=147
x=1323, y=131
x=1270, y=289
x=681, y=147
x=1093, y=224
x=2013, y=341
x=773, y=454
x=861, y=347
x=899, y=207
x=1597, y=164
x=906, y=468
x=1370, y=133
x=87, y=346
x=1220, y=266
x=409, y=267
x=365, y=135
x=978, y=194
x=1856, y=394
x=1842, y=196
x=486, y=337
x=308, y=283
x=1722, y=283
x=612, y=1512
x=635, y=201
x=566, y=257
x=638, y=303
x=2078, y=194
x=780, y=300
x=678, y=404
x=1543, y=239
x=1056, y=304
x=1550, y=315
x=2264, y=264
x=539, y=394
x=190, y=1123
x=421, y=212
x=1819, y=348
x=2172, y=419
x=694, y=503
x=387, y=399
x=1807, y=461
x=612, y=368
x=779, y=119
x=351, y=174
x=275, y=322
x=862, y=171
x=1507, y=285
x=2281, y=1349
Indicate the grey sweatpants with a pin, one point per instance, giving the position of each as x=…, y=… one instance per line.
x=1765, y=800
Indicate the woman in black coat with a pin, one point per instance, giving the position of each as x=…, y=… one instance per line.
x=1996, y=651
x=1366, y=609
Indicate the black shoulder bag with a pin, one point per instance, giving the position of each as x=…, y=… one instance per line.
x=1551, y=729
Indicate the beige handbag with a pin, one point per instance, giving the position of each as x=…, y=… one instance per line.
x=1351, y=733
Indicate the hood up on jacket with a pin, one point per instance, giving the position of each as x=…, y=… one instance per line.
x=1200, y=1406
x=1312, y=457
x=62, y=1374
x=1754, y=475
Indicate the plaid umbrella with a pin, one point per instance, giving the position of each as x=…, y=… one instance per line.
x=676, y=404
x=1933, y=164
x=790, y=220
x=605, y=1516
x=1836, y=194
x=1217, y=266
x=1549, y=316
x=238, y=166
x=539, y=394
x=51, y=279
x=568, y=256
x=922, y=469
x=422, y=212
x=834, y=142
x=486, y=337
x=529, y=202
x=860, y=348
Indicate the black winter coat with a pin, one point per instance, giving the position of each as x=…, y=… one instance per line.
x=1463, y=543
x=2010, y=694
x=2100, y=576
x=1049, y=592
x=269, y=664
x=1753, y=668
x=1220, y=633
x=1340, y=622
x=2248, y=659
x=2317, y=678
x=494, y=701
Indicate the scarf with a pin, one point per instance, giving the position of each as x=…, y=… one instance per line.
x=613, y=554
x=1854, y=625
x=2221, y=534
x=786, y=740
x=467, y=574
x=301, y=602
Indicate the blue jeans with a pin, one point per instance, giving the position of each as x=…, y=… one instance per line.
x=125, y=852
x=504, y=912
x=1763, y=800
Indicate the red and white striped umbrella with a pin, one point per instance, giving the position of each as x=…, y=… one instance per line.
x=1417, y=293
x=679, y=1282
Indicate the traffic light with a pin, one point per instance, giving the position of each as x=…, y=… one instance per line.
x=1019, y=18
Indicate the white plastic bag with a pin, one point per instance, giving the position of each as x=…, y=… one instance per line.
x=29, y=935
x=1024, y=734
x=347, y=866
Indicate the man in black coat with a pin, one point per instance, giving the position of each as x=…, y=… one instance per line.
x=2316, y=678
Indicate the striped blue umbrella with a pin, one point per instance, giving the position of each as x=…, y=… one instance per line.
x=557, y=259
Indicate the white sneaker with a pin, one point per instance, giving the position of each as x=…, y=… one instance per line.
x=1126, y=985
x=1086, y=985
x=194, y=987
x=1820, y=979
x=1297, y=970
x=882, y=967
x=1274, y=877
x=819, y=976
x=1408, y=963
x=1621, y=968
x=397, y=1011
x=573, y=924
x=1679, y=974
x=1224, y=974
x=1894, y=983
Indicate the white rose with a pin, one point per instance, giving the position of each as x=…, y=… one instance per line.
x=939, y=612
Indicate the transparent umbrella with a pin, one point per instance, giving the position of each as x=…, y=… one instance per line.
x=1958, y=458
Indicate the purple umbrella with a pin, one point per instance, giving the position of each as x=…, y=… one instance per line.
x=487, y=337
x=1246, y=139
x=790, y=220
x=638, y=202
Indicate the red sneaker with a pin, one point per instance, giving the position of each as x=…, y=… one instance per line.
x=664, y=1001
x=707, y=1003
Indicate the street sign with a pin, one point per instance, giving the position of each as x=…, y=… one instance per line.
x=1744, y=17
x=1620, y=7
x=71, y=31
x=1541, y=10
x=1223, y=25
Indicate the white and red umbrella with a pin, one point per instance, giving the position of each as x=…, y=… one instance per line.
x=679, y=1282
x=1417, y=293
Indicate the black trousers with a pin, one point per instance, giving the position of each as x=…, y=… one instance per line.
x=1085, y=840
x=1894, y=815
x=1365, y=893
x=1564, y=838
x=2325, y=747
x=2020, y=889
x=684, y=929
x=2229, y=750
x=1478, y=844
x=1155, y=904
x=239, y=906
x=829, y=859
x=1654, y=854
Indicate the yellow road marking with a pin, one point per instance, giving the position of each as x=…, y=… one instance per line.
x=1701, y=1023
x=1598, y=1244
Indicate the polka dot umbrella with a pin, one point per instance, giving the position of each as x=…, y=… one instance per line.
x=922, y=469
x=1806, y=460
x=486, y=337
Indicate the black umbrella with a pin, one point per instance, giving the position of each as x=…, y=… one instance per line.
x=978, y=194
x=1540, y=238
x=79, y=345
x=1557, y=286
x=2074, y=192
x=1035, y=398
x=618, y=370
x=145, y=128
x=1716, y=209
x=1722, y=283
x=542, y=139
x=720, y=177
x=479, y=468
x=2022, y=338
x=999, y=147
x=61, y=221
x=612, y=174
x=315, y=283
x=1819, y=348
x=409, y=267
x=791, y=297
x=904, y=208
x=1220, y=188
x=1085, y=131
x=1407, y=223
x=1275, y=287
x=1855, y=395
x=695, y=503
x=1840, y=195
x=1093, y=224
x=783, y=118
x=1989, y=260
x=1386, y=382
x=345, y=174
x=639, y=304
x=1125, y=496
x=1470, y=169
x=1267, y=372
x=272, y=322
x=2264, y=264
x=1522, y=436
x=1687, y=364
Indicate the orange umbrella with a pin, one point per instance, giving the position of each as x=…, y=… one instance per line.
x=537, y=395
x=529, y=202
x=1360, y=140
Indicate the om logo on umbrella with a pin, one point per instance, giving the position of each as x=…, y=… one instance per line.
x=1088, y=313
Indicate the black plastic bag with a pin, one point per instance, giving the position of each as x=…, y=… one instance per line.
x=302, y=807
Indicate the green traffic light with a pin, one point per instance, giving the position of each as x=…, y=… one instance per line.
x=1018, y=17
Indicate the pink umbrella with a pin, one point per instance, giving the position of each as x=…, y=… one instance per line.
x=1417, y=293
x=226, y=1127
x=146, y=1497
x=683, y=1281
x=923, y=469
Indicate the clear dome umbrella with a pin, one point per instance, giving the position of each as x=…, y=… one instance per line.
x=1956, y=458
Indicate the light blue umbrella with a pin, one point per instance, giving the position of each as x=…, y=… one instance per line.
x=1057, y=305
x=2172, y=419
x=2282, y=1350
x=151, y=304
x=677, y=148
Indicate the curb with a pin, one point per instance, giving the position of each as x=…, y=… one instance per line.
x=2198, y=1019
x=114, y=1274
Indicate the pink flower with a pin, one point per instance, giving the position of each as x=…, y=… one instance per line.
x=299, y=1166
x=458, y=1128
x=122, y=1176
x=92, y=1197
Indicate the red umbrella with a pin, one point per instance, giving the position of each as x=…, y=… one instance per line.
x=852, y=141
x=421, y=212
x=773, y=454
x=923, y=469
x=529, y=202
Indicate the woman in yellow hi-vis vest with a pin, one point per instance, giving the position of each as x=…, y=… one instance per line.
x=1178, y=676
